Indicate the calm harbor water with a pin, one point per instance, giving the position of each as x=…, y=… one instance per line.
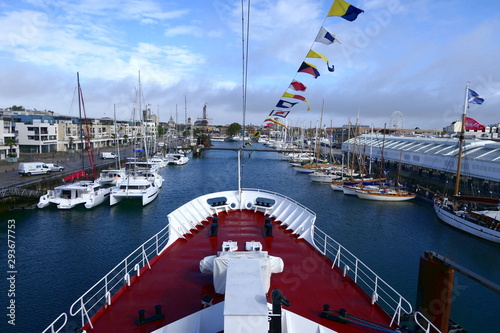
x=60, y=254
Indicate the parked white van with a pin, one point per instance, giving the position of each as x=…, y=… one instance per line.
x=105, y=155
x=33, y=168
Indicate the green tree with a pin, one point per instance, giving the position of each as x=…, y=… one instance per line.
x=11, y=142
x=161, y=131
x=71, y=141
x=234, y=129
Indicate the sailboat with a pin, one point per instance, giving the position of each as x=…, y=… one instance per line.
x=88, y=193
x=383, y=194
x=456, y=211
x=386, y=193
x=355, y=181
x=142, y=181
x=113, y=177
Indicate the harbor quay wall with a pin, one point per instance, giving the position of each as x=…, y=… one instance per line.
x=24, y=192
x=438, y=181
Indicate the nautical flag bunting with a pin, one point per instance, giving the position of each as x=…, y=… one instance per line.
x=309, y=69
x=326, y=37
x=275, y=121
x=279, y=113
x=267, y=124
x=314, y=54
x=302, y=98
x=285, y=104
x=297, y=86
x=344, y=10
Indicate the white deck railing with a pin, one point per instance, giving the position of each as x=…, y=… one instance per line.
x=300, y=218
x=419, y=318
x=101, y=293
x=381, y=292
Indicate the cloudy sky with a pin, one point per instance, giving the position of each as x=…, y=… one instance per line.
x=413, y=56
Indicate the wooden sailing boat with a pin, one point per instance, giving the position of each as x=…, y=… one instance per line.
x=456, y=211
x=315, y=164
x=385, y=193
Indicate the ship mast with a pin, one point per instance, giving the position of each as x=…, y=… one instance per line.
x=244, y=44
x=461, y=141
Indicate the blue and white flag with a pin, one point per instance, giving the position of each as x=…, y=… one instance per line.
x=279, y=113
x=474, y=98
x=325, y=37
x=285, y=104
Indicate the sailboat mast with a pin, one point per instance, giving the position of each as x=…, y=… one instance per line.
x=142, y=116
x=317, y=147
x=244, y=51
x=382, y=161
x=185, y=111
x=117, y=140
x=461, y=141
x=80, y=115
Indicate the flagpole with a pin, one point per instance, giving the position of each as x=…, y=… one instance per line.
x=461, y=141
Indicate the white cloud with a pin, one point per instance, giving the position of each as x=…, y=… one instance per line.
x=413, y=59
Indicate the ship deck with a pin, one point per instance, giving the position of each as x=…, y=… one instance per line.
x=175, y=281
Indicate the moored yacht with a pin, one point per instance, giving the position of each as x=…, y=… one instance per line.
x=111, y=177
x=152, y=176
x=480, y=223
x=176, y=159
x=134, y=187
x=67, y=196
x=158, y=161
x=385, y=194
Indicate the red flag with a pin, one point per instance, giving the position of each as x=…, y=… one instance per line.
x=297, y=86
x=473, y=125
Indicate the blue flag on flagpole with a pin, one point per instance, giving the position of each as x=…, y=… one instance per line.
x=474, y=98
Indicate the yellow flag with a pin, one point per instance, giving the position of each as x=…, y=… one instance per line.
x=344, y=10
x=314, y=54
x=275, y=121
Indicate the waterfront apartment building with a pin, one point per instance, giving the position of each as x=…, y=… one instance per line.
x=7, y=136
x=35, y=134
x=45, y=132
